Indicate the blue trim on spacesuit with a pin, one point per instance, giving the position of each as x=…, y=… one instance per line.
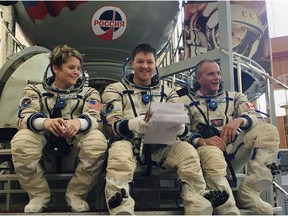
x=31, y=119
x=194, y=136
x=122, y=129
x=249, y=125
x=87, y=118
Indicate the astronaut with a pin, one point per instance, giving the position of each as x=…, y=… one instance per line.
x=55, y=116
x=247, y=27
x=225, y=123
x=125, y=104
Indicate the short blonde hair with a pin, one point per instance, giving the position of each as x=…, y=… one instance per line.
x=61, y=53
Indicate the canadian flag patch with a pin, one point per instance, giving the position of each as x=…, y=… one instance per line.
x=250, y=105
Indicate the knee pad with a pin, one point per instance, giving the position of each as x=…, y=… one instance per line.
x=121, y=160
x=262, y=135
x=26, y=145
x=94, y=145
x=183, y=156
x=26, y=148
x=212, y=161
x=26, y=138
x=95, y=138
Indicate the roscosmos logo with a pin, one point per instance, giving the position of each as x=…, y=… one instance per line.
x=109, y=23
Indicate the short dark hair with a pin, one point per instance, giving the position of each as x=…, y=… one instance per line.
x=144, y=47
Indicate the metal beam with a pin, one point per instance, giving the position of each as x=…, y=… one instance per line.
x=225, y=41
x=188, y=63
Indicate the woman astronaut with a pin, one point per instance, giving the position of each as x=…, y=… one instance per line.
x=55, y=116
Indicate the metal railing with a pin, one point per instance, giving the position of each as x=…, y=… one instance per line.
x=10, y=33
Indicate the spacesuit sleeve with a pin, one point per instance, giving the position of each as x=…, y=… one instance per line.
x=92, y=109
x=245, y=109
x=115, y=124
x=30, y=108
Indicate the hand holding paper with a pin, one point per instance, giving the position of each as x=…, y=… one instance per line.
x=181, y=129
x=166, y=122
x=138, y=124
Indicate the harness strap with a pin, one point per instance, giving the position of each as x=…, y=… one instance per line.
x=147, y=148
x=130, y=99
x=196, y=103
x=228, y=159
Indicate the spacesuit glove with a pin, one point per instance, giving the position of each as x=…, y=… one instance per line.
x=138, y=124
x=181, y=129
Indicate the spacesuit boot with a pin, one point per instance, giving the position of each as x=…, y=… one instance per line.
x=229, y=207
x=78, y=188
x=27, y=167
x=77, y=204
x=37, y=204
x=264, y=139
x=257, y=180
x=87, y=173
x=119, y=173
x=249, y=198
x=119, y=202
x=38, y=191
x=195, y=203
x=214, y=168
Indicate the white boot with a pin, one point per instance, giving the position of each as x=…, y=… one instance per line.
x=77, y=204
x=264, y=140
x=194, y=202
x=37, y=204
x=249, y=198
x=126, y=206
x=214, y=168
x=221, y=183
x=257, y=180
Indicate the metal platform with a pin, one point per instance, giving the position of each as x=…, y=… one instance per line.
x=154, y=195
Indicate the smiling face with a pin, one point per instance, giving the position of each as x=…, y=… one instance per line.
x=144, y=65
x=68, y=73
x=209, y=77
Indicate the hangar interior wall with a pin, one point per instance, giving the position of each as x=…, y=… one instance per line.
x=280, y=71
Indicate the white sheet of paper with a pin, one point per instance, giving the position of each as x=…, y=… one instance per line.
x=164, y=122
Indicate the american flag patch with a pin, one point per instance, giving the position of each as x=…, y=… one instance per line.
x=93, y=104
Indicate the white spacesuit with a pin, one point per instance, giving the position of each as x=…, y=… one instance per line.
x=27, y=144
x=246, y=22
x=125, y=103
x=256, y=145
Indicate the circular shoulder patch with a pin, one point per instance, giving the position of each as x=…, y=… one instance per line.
x=109, y=108
x=26, y=102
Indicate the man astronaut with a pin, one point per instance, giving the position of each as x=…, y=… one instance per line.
x=126, y=103
x=59, y=114
x=223, y=121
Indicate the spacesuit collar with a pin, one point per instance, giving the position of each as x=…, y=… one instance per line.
x=56, y=88
x=48, y=85
x=129, y=80
x=199, y=94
